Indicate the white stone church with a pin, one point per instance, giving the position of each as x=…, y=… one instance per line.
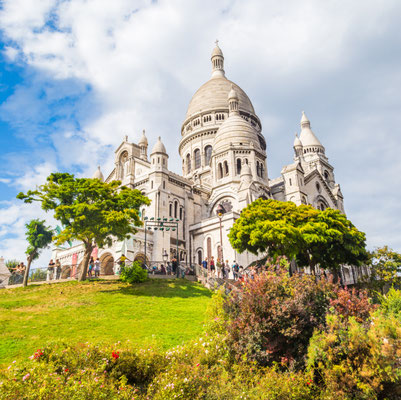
x=223, y=153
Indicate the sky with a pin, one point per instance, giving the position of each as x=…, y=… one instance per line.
x=79, y=75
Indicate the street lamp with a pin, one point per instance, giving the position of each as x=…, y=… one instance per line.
x=220, y=211
x=165, y=256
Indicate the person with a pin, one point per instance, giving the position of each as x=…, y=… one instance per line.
x=50, y=270
x=57, y=269
x=169, y=268
x=163, y=270
x=212, y=266
x=235, y=270
x=204, y=266
x=175, y=267
x=218, y=268
x=223, y=270
x=97, y=268
x=227, y=268
x=121, y=262
x=90, y=268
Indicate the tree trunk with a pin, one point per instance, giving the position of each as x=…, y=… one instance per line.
x=26, y=275
x=87, y=256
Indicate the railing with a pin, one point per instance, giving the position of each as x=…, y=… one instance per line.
x=166, y=268
x=66, y=272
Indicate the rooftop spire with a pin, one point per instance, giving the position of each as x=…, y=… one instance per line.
x=217, y=61
x=233, y=101
x=304, y=120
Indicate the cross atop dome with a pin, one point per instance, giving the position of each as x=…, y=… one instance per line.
x=217, y=61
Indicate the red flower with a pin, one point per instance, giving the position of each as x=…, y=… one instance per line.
x=66, y=370
x=115, y=354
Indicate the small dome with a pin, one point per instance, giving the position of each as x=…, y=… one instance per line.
x=235, y=130
x=297, y=142
x=143, y=141
x=159, y=147
x=217, y=52
x=307, y=137
x=233, y=93
x=98, y=175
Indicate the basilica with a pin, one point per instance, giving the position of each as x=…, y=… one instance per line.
x=224, y=168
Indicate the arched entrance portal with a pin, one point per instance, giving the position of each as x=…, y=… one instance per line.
x=141, y=258
x=107, y=264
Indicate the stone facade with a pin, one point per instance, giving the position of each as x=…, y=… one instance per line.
x=223, y=153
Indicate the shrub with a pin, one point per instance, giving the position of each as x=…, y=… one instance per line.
x=351, y=303
x=352, y=360
x=273, y=316
x=134, y=273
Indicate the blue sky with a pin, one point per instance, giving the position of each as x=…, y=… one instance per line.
x=77, y=76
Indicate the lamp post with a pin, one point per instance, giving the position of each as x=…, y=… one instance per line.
x=165, y=256
x=161, y=224
x=220, y=211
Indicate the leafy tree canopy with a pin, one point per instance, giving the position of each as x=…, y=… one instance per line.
x=311, y=236
x=90, y=210
x=38, y=237
x=385, y=268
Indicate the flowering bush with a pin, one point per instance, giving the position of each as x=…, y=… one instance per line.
x=351, y=303
x=273, y=316
x=353, y=359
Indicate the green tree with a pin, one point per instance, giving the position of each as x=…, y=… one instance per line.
x=39, y=237
x=311, y=236
x=385, y=268
x=89, y=210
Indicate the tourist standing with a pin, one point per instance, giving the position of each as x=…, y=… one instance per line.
x=223, y=270
x=204, y=266
x=57, y=269
x=174, y=265
x=235, y=270
x=97, y=268
x=218, y=268
x=50, y=270
x=212, y=267
x=91, y=265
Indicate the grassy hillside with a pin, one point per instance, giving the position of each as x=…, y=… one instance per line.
x=166, y=311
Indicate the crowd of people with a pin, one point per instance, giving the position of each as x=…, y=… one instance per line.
x=224, y=270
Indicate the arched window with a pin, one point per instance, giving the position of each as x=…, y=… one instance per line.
x=181, y=213
x=257, y=168
x=143, y=214
x=197, y=157
x=261, y=170
x=326, y=175
x=239, y=165
x=188, y=163
x=225, y=168
x=200, y=257
x=175, y=208
x=220, y=171
x=170, y=210
x=208, y=154
x=209, y=249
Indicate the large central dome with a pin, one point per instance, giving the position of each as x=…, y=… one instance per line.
x=213, y=95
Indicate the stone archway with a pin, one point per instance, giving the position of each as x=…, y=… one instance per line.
x=106, y=264
x=141, y=258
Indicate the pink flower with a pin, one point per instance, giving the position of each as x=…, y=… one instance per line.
x=197, y=365
x=26, y=376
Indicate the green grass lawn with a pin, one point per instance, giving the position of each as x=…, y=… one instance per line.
x=168, y=312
